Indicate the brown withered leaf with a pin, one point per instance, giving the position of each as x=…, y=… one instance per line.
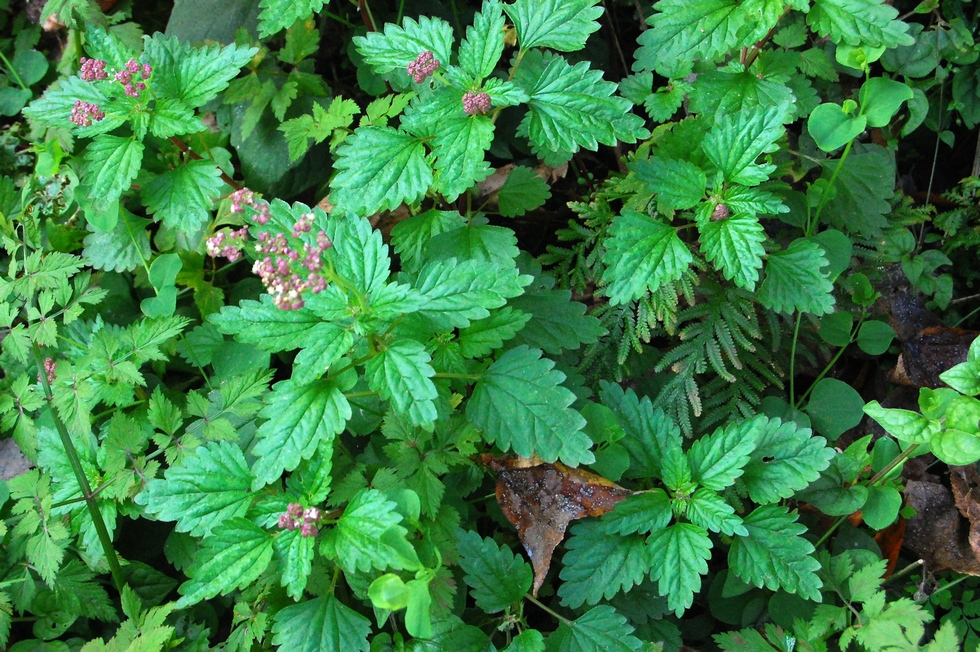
x=939, y=533
x=931, y=352
x=540, y=499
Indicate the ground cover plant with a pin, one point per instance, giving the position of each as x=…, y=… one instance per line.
x=567, y=325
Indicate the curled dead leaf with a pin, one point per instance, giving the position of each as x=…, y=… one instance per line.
x=540, y=499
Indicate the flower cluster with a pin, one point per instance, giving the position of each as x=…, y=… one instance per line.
x=228, y=244
x=304, y=520
x=276, y=270
x=93, y=70
x=476, y=103
x=129, y=73
x=49, y=370
x=424, y=65
x=240, y=199
x=85, y=113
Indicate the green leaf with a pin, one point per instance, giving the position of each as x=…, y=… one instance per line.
x=276, y=15
x=858, y=22
x=965, y=377
x=182, y=197
x=881, y=98
x=480, y=51
x=834, y=407
x=319, y=126
x=479, y=241
x=599, y=566
x=111, y=164
x=678, y=184
x=599, y=629
x=716, y=460
x=874, y=337
x=233, y=557
x=459, y=147
x=794, y=280
x=520, y=405
x=734, y=245
x=458, y=293
x=906, y=426
x=572, y=106
x=359, y=253
x=194, y=76
x=678, y=558
x=296, y=557
x=531, y=640
x=482, y=337
x=272, y=329
x=863, y=188
x=523, y=191
x=775, y=554
x=401, y=373
x=561, y=25
x=881, y=508
x=707, y=510
x=203, y=491
x=399, y=46
x=379, y=168
x=558, y=322
x=645, y=511
x=173, y=118
x=410, y=236
x=54, y=107
x=641, y=255
x=786, y=459
x=832, y=128
x=498, y=577
x=736, y=141
x=368, y=535
x=650, y=434
x=322, y=624
x=124, y=248
x=301, y=417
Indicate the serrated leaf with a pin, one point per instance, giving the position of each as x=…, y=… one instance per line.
x=645, y=511
x=599, y=566
x=111, y=164
x=496, y=245
x=359, y=253
x=319, y=126
x=456, y=293
x=650, y=433
x=530, y=640
x=301, y=418
x=736, y=141
x=173, y=118
x=561, y=25
x=194, y=76
x=401, y=373
x=460, y=146
x=183, y=197
x=600, y=629
x=734, y=245
x=775, y=554
x=723, y=92
x=678, y=558
x=481, y=337
x=379, y=168
x=858, y=22
x=276, y=15
x=498, y=577
x=399, y=46
x=124, y=248
x=410, y=236
x=235, y=554
x=272, y=329
x=716, y=460
x=204, y=490
x=523, y=191
x=322, y=624
x=480, y=51
x=794, y=280
x=707, y=510
x=786, y=459
x=641, y=255
x=863, y=187
x=520, y=405
x=677, y=184
x=571, y=107
x=54, y=107
x=295, y=553
x=558, y=322
x=358, y=540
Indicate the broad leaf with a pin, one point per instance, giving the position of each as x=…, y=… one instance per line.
x=677, y=184
x=863, y=188
x=410, y=236
x=458, y=293
x=859, y=22
x=182, y=198
x=399, y=46
x=775, y=554
x=111, y=164
x=599, y=566
x=276, y=15
x=402, y=374
x=650, y=434
x=459, y=147
x=786, y=459
x=558, y=322
x=482, y=337
x=678, y=557
x=295, y=554
x=642, y=254
x=734, y=245
x=707, y=510
x=322, y=624
x=498, y=578
x=561, y=25
x=644, y=511
x=368, y=535
x=717, y=459
x=203, y=491
x=520, y=405
x=233, y=557
x=523, y=191
x=480, y=51
x=194, y=76
x=794, y=280
x=600, y=629
x=736, y=141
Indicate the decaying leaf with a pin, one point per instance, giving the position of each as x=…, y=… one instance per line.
x=945, y=531
x=540, y=499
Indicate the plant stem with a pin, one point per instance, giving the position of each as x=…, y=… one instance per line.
x=792, y=360
x=80, y=477
x=13, y=71
x=811, y=226
x=532, y=599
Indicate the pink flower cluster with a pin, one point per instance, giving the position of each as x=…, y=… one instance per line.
x=49, y=370
x=245, y=198
x=476, y=103
x=128, y=74
x=304, y=520
x=85, y=113
x=424, y=65
x=228, y=244
x=276, y=270
x=93, y=70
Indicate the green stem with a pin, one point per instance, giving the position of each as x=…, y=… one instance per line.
x=792, y=360
x=830, y=365
x=532, y=599
x=13, y=72
x=900, y=458
x=80, y=477
x=824, y=197
x=945, y=587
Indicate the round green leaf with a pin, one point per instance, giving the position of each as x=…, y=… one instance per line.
x=859, y=57
x=835, y=328
x=874, y=337
x=881, y=508
x=859, y=287
x=831, y=128
x=881, y=98
x=164, y=270
x=388, y=592
x=956, y=446
x=837, y=249
x=933, y=402
x=834, y=407
x=611, y=462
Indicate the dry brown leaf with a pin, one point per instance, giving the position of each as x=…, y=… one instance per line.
x=938, y=533
x=540, y=499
